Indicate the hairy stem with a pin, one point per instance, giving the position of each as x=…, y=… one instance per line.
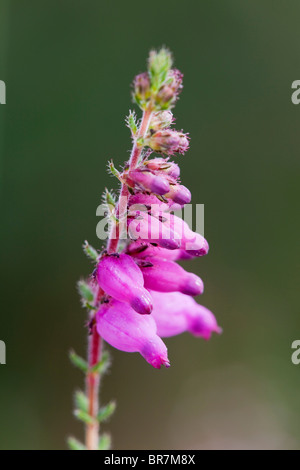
x=92, y=389
x=95, y=346
x=112, y=245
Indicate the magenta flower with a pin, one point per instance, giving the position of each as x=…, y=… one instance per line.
x=120, y=278
x=179, y=194
x=192, y=242
x=124, y=329
x=166, y=276
x=175, y=313
x=149, y=181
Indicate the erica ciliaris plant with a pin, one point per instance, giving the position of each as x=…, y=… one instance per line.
x=137, y=293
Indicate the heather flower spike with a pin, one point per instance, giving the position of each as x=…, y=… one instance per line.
x=137, y=292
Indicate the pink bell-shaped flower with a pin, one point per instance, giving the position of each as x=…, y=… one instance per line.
x=167, y=276
x=124, y=329
x=149, y=181
x=192, y=242
x=121, y=278
x=175, y=313
x=179, y=194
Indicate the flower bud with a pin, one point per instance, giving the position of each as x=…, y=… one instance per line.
x=121, y=278
x=192, y=243
x=179, y=194
x=195, y=248
x=168, y=141
x=172, y=170
x=175, y=313
x=142, y=91
x=120, y=326
x=160, y=120
x=167, y=276
x=150, y=182
x=160, y=164
x=183, y=144
x=159, y=65
x=168, y=93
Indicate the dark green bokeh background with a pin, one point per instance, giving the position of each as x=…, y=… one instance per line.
x=68, y=68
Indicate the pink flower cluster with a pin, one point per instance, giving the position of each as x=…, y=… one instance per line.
x=149, y=295
x=146, y=294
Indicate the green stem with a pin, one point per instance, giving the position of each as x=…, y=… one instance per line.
x=92, y=389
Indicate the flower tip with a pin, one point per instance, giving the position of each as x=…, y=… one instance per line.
x=142, y=304
x=193, y=285
x=205, y=249
x=180, y=194
x=167, y=364
x=198, y=248
x=160, y=361
x=204, y=323
x=160, y=186
x=207, y=335
x=155, y=352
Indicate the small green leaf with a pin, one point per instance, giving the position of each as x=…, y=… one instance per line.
x=74, y=444
x=104, y=442
x=106, y=411
x=109, y=197
x=90, y=251
x=85, y=417
x=112, y=170
x=85, y=291
x=131, y=122
x=102, y=366
x=78, y=362
x=81, y=401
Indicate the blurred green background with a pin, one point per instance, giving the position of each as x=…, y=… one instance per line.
x=68, y=68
